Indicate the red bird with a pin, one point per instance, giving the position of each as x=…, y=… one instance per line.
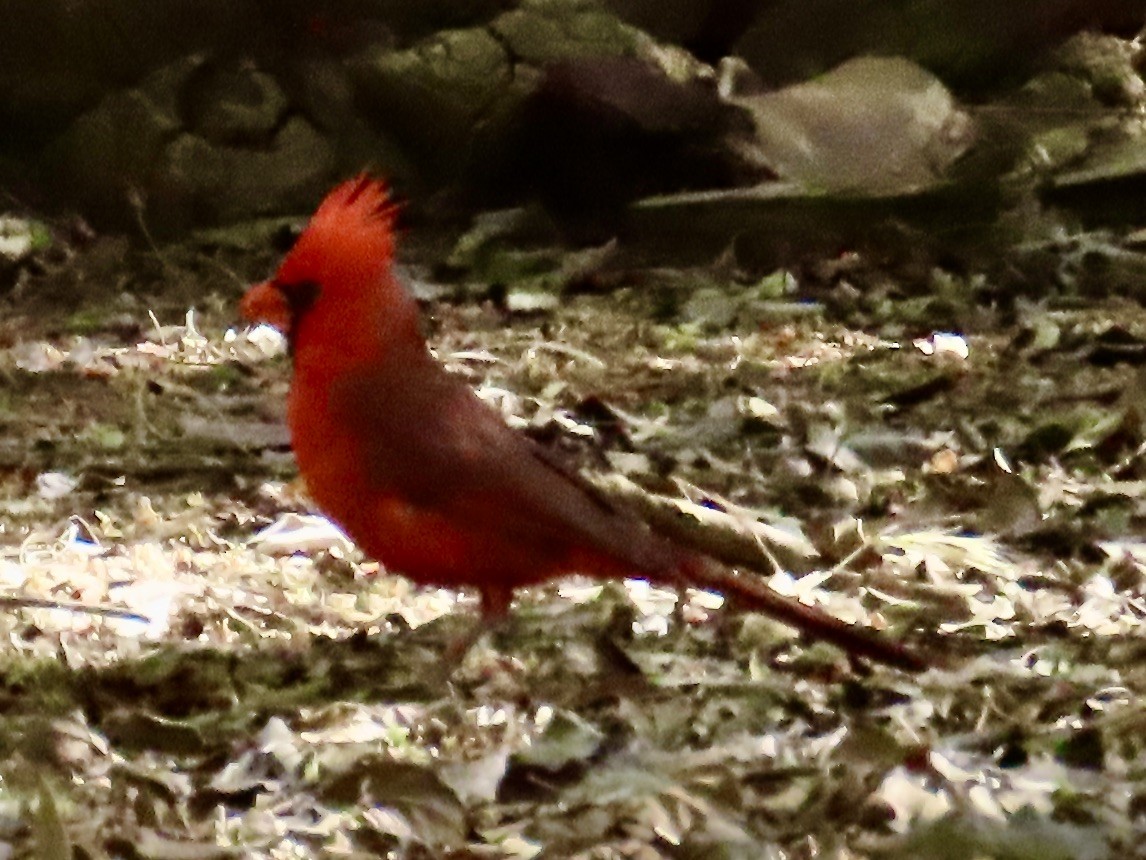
x=428, y=479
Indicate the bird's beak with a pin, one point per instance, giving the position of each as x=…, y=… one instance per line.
x=265, y=303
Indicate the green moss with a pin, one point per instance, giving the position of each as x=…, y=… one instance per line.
x=85, y=322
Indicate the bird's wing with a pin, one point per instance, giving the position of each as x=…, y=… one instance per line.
x=432, y=442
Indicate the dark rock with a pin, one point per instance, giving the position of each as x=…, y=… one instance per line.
x=196, y=143
x=600, y=132
x=320, y=87
x=233, y=104
x=111, y=152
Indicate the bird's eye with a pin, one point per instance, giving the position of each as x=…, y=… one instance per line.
x=300, y=295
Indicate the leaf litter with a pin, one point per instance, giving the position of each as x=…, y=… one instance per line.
x=201, y=666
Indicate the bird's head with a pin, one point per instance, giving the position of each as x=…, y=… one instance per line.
x=338, y=265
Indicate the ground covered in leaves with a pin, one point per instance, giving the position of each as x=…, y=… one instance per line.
x=197, y=666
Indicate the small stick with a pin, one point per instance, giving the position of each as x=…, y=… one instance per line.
x=8, y=601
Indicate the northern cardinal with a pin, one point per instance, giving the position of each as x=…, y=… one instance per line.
x=428, y=479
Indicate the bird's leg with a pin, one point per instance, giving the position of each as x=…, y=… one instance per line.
x=495, y=600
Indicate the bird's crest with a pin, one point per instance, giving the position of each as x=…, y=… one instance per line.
x=352, y=228
x=362, y=199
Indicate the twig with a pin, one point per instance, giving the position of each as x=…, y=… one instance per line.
x=717, y=534
x=8, y=601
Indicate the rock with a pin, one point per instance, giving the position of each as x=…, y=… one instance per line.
x=193, y=176
x=1107, y=63
x=431, y=96
x=599, y=132
x=546, y=31
x=455, y=98
x=288, y=177
x=111, y=152
x=871, y=126
x=114, y=142
x=233, y=104
x=215, y=184
x=196, y=143
x=320, y=88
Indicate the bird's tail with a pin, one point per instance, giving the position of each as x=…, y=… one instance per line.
x=701, y=572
